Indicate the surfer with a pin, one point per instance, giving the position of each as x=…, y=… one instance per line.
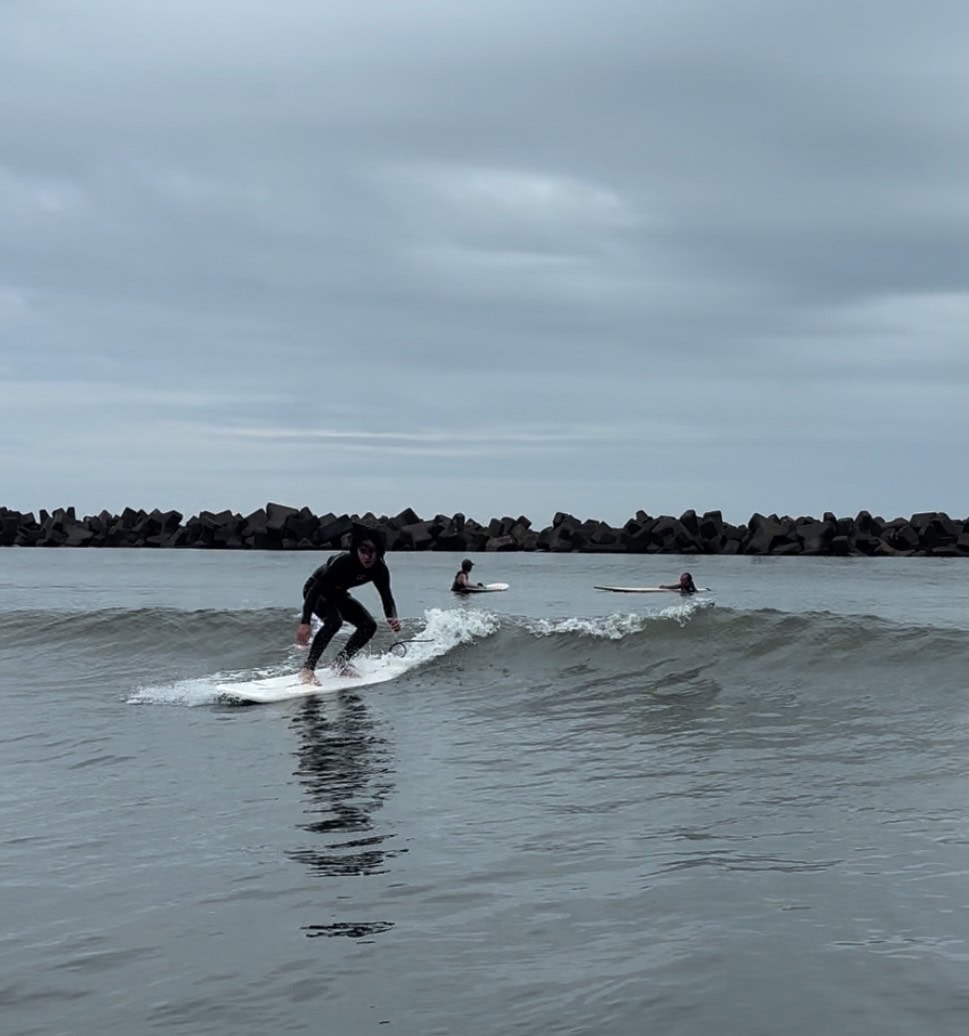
x=685, y=585
x=462, y=578
x=326, y=594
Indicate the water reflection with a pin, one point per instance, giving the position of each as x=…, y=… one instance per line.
x=345, y=766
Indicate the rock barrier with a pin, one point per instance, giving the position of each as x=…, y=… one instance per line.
x=278, y=527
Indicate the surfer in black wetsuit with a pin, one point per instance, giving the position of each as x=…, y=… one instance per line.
x=685, y=585
x=462, y=578
x=326, y=593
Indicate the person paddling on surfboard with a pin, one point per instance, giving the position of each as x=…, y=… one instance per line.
x=326, y=594
x=685, y=585
x=462, y=578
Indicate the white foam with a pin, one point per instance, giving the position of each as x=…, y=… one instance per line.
x=617, y=625
x=609, y=627
x=199, y=691
x=458, y=626
x=442, y=631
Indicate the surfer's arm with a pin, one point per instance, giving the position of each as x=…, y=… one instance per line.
x=381, y=580
x=310, y=593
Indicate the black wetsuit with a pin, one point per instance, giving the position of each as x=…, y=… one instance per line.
x=456, y=586
x=326, y=593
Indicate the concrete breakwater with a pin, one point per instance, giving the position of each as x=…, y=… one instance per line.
x=278, y=527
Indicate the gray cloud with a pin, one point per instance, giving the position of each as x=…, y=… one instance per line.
x=498, y=258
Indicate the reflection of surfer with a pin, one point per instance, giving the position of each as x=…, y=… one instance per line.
x=462, y=578
x=339, y=760
x=345, y=766
x=685, y=585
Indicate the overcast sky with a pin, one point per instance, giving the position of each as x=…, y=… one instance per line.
x=489, y=256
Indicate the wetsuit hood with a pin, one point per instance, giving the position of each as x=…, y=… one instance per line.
x=361, y=533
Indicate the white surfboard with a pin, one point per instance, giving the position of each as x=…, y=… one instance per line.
x=647, y=589
x=281, y=688
x=486, y=589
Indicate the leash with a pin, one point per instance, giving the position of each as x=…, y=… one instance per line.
x=399, y=647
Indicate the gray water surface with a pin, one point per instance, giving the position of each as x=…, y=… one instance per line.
x=740, y=818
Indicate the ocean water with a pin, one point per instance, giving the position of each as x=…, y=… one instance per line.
x=572, y=812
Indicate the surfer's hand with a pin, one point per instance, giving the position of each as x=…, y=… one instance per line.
x=394, y=624
x=303, y=633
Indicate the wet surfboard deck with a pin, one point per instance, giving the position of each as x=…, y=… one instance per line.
x=281, y=688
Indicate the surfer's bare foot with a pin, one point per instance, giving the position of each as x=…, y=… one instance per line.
x=308, y=676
